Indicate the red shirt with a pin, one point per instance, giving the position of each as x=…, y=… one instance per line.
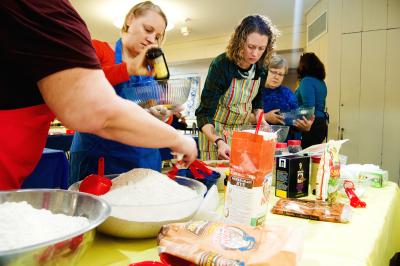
x=115, y=73
x=38, y=38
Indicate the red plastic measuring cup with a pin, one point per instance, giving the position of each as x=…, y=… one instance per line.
x=96, y=184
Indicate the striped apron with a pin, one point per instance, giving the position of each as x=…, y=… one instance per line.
x=233, y=111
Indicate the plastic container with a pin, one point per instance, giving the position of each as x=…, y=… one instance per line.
x=294, y=145
x=314, y=170
x=281, y=148
x=208, y=181
x=157, y=59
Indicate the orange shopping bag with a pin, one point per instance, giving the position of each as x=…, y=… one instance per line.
x=251, y=164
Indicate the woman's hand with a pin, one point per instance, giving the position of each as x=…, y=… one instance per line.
x=224, y=151
x=186, y=146
x=274, y=117
x=138, y=66
x=304, y=124
x=160, y=112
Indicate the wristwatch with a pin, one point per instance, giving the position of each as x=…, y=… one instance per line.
x=216, y=141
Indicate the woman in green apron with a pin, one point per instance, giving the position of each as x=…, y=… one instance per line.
x=231, y=91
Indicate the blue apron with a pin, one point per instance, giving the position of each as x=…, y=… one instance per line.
x=118, y=158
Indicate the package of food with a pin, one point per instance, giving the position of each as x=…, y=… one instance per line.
x=250, y=177
x=327, y=183
x=215, y=243
x=313, y=209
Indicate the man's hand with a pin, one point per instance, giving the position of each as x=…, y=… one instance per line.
x=186, y=146
x=273, y=117
x=304, y=124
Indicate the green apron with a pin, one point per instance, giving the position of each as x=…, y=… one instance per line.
x=233, y=111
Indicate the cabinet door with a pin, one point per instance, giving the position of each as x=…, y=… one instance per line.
x=373, y=64
x=393, y=14
x=351, y=16
x=391, y=124
x=349, y=95
x=374, y=14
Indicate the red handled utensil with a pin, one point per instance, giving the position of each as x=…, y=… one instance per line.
x=96, y=184
x=355, y=201
x=194, y=168
x=259, y=122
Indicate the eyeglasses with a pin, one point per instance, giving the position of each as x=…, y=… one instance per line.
x=277, y=73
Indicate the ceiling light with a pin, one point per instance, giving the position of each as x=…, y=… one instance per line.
x=185, y=31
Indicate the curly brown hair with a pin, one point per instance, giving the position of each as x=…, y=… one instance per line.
x=139, y=9
x=251, y=24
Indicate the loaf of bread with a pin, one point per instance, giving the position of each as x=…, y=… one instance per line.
x=313, y=209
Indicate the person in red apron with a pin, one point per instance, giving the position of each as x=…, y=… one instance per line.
x=147, y=27
x=231, y=91
x=51, y=69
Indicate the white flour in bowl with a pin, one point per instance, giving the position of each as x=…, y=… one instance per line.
x=147, y=195
x=22, y=225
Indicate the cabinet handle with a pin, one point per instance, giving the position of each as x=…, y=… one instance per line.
x=341, y=133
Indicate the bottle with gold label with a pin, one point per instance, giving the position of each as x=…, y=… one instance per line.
x=156, y=58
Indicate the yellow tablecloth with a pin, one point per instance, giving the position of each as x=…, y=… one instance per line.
x=371, y=238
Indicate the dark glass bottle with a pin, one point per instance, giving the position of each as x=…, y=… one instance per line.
x=156, y=58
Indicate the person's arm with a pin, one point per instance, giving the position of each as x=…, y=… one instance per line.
x=115, y=73
x=73, y=95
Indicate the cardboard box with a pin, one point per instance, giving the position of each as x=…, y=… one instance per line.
x=292, y=176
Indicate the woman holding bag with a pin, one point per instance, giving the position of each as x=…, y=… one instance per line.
x=231, y=91
x=144, y=28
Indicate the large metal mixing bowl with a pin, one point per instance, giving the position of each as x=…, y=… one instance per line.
x=65, y=250
x=146, y=220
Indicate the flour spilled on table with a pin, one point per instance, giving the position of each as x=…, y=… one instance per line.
x=22, y=225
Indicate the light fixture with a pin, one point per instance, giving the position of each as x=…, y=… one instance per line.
x=185, y=31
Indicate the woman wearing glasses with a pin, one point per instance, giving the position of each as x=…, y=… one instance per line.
x=231, y=91
x=125, y=68
x=278, y=98
x=312, y=92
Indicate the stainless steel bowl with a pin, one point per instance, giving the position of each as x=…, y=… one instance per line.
x=147, y=220
x=65, y=250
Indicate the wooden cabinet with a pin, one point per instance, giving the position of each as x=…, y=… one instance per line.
x=393, y=14
x=375, y=14
x=373, y=57
x=391, y=122
x=350, y=84
x=351, y=16
x=370, y=98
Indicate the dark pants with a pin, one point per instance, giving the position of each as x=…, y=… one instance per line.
x=316, y=135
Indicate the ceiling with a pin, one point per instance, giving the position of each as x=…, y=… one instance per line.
x=204, y=18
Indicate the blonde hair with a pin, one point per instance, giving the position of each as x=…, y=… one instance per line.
x=141, y=8
x=251, y=24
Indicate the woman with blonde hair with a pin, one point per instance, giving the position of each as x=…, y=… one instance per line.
x=231, y=91
x=125, y=68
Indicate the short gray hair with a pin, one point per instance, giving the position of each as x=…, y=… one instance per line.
x=278, y=61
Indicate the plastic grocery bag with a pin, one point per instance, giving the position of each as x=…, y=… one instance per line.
x=215, y=243
x=329, y=172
